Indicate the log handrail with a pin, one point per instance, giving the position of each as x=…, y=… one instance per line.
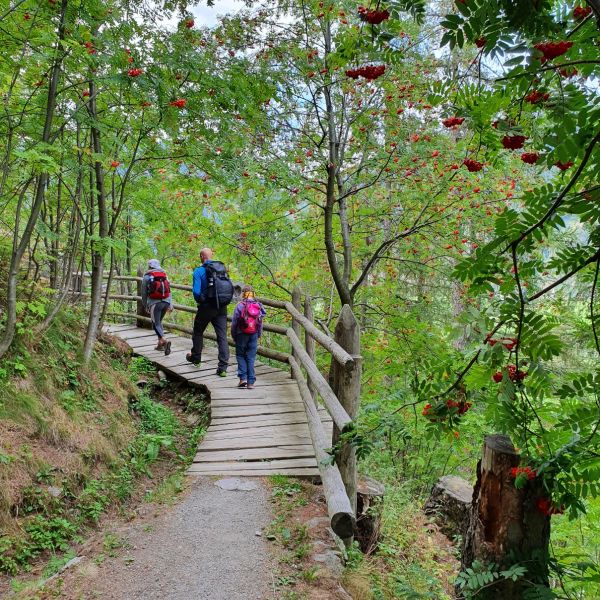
x=262, y=351
x=341, y=356
x=338, y=504
x=336, y=410
x=192, y=310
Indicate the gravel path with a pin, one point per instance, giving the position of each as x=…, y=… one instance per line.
x=203, y=548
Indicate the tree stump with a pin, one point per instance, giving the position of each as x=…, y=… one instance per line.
x=505, y=526
x=369, y=506
x=449, y=505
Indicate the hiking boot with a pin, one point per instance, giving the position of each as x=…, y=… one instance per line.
x=167, y=348
x=221, y=373
x=189, y=358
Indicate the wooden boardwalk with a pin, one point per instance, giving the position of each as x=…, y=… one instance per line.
x=255, y=432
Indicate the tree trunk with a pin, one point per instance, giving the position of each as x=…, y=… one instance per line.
x=98, y=247
x=505, y=526
x=20, y=247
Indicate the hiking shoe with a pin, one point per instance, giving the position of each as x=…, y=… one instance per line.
x=167, y=348
x=189, y=358
x=221, y=373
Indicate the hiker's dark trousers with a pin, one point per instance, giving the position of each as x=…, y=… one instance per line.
x=218, y=318
x=157, y=314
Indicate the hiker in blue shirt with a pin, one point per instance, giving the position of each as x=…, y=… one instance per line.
x=212, y=291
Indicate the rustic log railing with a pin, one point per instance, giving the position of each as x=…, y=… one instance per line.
x=339, y=478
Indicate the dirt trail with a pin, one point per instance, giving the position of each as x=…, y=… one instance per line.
x=203, y=548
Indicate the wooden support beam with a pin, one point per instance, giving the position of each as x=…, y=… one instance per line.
x=335, y=409
x=341, y=514
x=340, y=355
x=140, y=310
x=309, y=342
x=296, y=327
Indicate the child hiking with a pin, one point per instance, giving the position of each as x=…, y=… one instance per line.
x=246, y=328
x=157, y=300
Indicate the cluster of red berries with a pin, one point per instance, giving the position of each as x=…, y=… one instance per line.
x=472, y=165
x=85, y=93
x=114, y=164
x=189, y=23
x=508, y=343
x=545, y=506
x=563, y=166
x=513, y=374
x=551, y=50
x=179, y=103
x=581, y=12
x=480, y=42
x=369, y=72
x=530, y=157
x=453, y=121
x=528, y=471
x=513, y=142
x=373, y=16
x=90, y=47
x=135, y=72
x=535, y=97
x=462, y=407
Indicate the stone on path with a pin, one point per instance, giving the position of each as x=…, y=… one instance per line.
x=234, y=484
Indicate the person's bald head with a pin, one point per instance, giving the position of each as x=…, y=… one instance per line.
x=206, y=254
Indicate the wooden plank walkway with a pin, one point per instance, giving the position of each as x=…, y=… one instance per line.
x=252, y=432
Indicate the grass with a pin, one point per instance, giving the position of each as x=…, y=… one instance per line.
x=90, y=433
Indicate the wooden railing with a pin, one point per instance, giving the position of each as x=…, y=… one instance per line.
x=339, y=396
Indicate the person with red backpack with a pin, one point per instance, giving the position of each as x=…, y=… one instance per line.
x=157, y=300
x=246, y=328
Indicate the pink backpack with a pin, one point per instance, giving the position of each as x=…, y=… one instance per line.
x=250, y=317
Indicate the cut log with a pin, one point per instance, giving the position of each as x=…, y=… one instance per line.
x=505, y=526
x=449, y=505
x=369, y=501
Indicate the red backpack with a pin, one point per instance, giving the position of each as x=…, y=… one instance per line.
x=250, y=317
x=158, y=285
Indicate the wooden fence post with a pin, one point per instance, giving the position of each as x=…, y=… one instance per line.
x=506, y=522
x=309, y=342
x=297, y=302
x=141, y=311
x=347, y=389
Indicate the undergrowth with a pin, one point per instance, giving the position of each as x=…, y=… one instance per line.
x=409, y=563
